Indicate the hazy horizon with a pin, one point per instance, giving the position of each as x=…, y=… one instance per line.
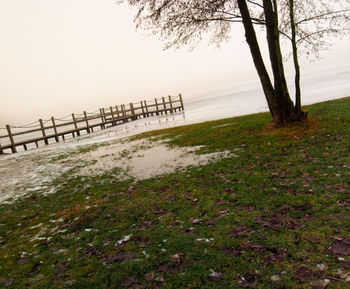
x=59, y=57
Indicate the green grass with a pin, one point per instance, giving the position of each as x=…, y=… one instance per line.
x=283, y=204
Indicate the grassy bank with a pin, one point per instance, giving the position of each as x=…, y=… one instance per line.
x=273, y=215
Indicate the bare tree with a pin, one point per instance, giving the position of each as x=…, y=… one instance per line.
x=311, y=26
x=181, y=22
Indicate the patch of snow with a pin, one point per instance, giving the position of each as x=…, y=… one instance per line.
x=36, y=226
x=34, y=171
x=124, y=239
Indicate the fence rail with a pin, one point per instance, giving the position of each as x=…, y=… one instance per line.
x=75, y=123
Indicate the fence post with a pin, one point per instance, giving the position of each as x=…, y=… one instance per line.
x=143, y=110
x=87, y=122
x=112, y=113
x=75, y=124
x=101, y=114
x=54, y=128
x=123, y=112
x=1, y=151
x=171, y=105
x=117, y=111
x=104, y=114
x=43, y=131
x=147, y=114
x=132, y=111
x=164, y=105
x=155, y=101
x=182, y=104
x=13, y=146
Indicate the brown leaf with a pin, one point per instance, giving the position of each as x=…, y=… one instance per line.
x=146, y=224
x=128, y=282
x=223, y=213
x=60, y=269
x=35, y=269
x=39, y=277
x=346, y=264
x=215, y=276
x=175, y=259
x=211, y=223
x=314, y=239
x=195, y=220
x=23, y=260
x=163, y=268
x=120, y=257
x=91, y=251
x=278, y=257
x=252, y=246
x=149, y=276
x=170, y=197
x=304, y=273
x=70, y=282
x=143, y=242
x=6, y=282
x=240, y=231
x=159, y=279
x=249, y=280
x=235, y=251
x=321, y=284
x=340, y=247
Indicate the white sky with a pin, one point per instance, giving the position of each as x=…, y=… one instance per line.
x=63, y=56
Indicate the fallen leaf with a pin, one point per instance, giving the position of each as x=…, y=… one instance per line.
x=252, y=246
x=60, y=269
x=275, y=278
x=314, y=239
x=215, y=276
x=195, y=220
x=128, y=282
x=340, y=247
x=249, y=280
x=159, y=279
x=23, y=260
x=70, y=282
x=240, y=231
x=91, y=251
x=346, y=264
x=120, y=257
x=39, y=277
x=321, y=284
x=149, y=276
x=278, y=257
x=175, y=258
x=6, y=282
x=304, y=273
x=163, y=268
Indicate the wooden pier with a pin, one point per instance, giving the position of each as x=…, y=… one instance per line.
x=54, y=128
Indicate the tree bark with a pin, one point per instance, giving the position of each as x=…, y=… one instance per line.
x=257, y=58
x=298, y=111
x=287, y=112
x=277, y=96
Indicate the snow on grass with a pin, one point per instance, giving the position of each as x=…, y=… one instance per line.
x=91, y=155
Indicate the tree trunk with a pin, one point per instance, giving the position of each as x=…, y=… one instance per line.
x=257, y=58
x=298, y=111
x=280, y=105
x=287, y=112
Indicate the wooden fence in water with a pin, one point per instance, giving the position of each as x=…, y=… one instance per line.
x=54, y=128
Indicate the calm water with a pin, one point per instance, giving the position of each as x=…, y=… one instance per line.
x=228, y=101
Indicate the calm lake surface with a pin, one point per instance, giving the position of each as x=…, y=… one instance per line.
x=231, y=100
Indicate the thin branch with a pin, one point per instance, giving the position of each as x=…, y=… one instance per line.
x=254, y=3
x=322, y=15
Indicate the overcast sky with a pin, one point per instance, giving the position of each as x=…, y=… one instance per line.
x=63, y=56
